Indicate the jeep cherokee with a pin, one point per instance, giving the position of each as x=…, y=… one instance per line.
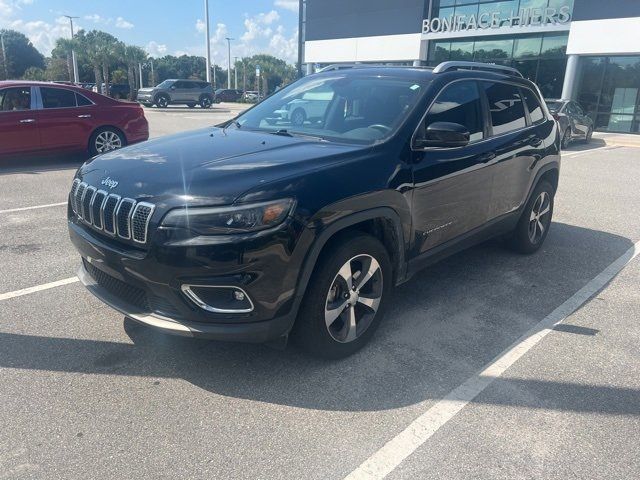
x=259, y=230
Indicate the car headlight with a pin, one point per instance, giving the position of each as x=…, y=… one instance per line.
x=230, y=220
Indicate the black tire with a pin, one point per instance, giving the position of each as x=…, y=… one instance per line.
x=310, y=331
x=566, y=139
x=298, y=117
x=162, y=101
x=521, y=239
x=205, y=101
x=191, y=105
x=100, y=140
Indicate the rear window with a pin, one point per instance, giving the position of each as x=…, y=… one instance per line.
x=533, y=105
x=82, y=100
x=505, y=105
x=57, y=98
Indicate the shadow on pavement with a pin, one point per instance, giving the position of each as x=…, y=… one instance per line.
x=442, y=327
x=579, y=146
x=35, y=164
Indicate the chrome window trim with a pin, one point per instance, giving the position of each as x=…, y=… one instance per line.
x=186, y=289
x=478, y=142
x=113, y=215
x=146, y=226
x=117, y=215
x=94, y=189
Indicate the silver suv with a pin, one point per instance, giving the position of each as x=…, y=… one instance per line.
x=182, y=92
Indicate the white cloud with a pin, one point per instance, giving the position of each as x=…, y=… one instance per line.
x=95, y=18
x=291, y=5
x=122, y=23
x=43, y=35
x=156, y=49
x=200, y=26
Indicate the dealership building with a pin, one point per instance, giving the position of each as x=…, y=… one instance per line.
x=585, y=50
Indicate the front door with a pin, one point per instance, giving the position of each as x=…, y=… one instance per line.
x=452, y=186
x=19, y=131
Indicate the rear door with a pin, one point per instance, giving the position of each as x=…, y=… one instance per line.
x=63, y=124
x=180, y=91
x=19, y=130
x=515, y=140
x=452, y=186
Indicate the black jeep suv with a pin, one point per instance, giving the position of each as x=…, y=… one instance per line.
x=259, y=229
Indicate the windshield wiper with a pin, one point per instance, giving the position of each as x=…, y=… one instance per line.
x=283, y=132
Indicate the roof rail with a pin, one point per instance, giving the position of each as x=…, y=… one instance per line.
x=489, y=67
x=344, y=66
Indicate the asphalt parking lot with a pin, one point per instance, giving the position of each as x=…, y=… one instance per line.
x=489, y=364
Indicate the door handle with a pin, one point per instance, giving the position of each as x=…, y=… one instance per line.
x=28, y=120
x=535, y=142
x=487, y=157
x=84, y=116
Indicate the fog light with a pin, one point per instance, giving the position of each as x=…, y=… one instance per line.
x=219, y=299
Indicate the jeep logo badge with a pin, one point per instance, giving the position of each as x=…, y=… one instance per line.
x=109, y=182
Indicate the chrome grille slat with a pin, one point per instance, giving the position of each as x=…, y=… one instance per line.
x=87, y=197
x=109, y=213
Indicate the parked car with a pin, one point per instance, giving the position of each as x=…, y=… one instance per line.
x=116, y=90
x=43, y=116
x=257, y=232
x=177, y=92
x=251, y=96
x=574, y=123
x=228, y=95
x=310, y=107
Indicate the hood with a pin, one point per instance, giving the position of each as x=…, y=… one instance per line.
x=208, y=166
x=147, y=89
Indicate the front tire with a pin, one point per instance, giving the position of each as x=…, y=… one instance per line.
x=106, y=139
x=345, y=299
x=534, y=224
x=566, y=139
x=162, y=101
x=588, y=136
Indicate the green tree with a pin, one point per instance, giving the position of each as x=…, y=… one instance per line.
x=63, y=49
x=21, y=54
x=35, y=73
x=134, y=56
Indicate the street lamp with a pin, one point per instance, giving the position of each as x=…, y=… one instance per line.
x=235, y=72
x=229, y=59
x=206, y=21
x=4, y=57
x=73, y=53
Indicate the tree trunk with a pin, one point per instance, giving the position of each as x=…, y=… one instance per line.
x=132, y=81
x=96, y=72
x=105, y=73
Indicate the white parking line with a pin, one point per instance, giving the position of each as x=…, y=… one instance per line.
x=22, y=209
x=582, y=152
x=385, y=460
x=37, y=288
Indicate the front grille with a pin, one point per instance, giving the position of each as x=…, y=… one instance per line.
x=128, y=293
x=121, y=217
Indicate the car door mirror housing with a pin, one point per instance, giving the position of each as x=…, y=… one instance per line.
x=444, y=135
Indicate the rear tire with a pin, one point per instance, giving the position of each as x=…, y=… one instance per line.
x=106, y=139
x=205, y=101
x=298, y=117
x=336, y=321
x=588, y=136
x=534, y=224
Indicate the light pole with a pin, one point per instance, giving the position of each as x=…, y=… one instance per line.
x=206, y=21
x=140, y=72
x=229, y=59
x=73, y=53
x=4, y=57
x=235, y=72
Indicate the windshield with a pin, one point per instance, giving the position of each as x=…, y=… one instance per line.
x=340, y=107
x=165, y=84
x=554, y=106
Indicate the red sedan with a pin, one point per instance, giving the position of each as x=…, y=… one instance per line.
x=41, y=116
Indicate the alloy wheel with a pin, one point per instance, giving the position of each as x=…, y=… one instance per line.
x=205, y=102
x=353, y=298
x=107, y=140
x=162, y=102
x=539, y=218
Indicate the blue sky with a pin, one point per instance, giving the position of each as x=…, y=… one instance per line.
x=164, y=26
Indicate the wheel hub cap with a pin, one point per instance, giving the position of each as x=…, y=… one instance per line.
x=538, y=220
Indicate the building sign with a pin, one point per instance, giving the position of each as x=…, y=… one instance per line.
x=525, y=17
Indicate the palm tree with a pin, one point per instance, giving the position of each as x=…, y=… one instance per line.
x=134, y=56
x=101, y=50
x=87, y=46
x=67, y=45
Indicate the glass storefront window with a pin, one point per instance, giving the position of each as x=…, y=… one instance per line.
x=461, y=51
x=527, y=47
x=493, y=49
x=554, y=45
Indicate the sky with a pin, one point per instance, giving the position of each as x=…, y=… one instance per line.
x=164, y=27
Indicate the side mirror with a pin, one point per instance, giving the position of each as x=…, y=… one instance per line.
x=444, y=135
x=172, y=87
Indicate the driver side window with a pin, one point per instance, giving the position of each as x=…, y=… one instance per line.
x=459, y=103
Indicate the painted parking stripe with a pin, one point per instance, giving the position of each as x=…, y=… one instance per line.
x=37, y=288
x=385, y=460
x=584, y=152
x=35, y=207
